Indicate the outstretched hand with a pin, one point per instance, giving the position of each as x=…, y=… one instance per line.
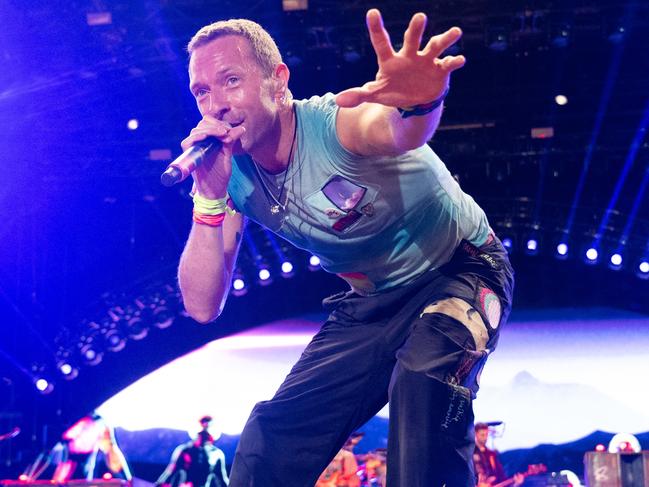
x=410, y=76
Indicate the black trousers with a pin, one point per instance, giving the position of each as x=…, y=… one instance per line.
x=400, y=346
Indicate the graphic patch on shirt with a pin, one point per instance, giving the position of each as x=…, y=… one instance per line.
x=343, y=193
x=333, y=212
x=368, y=209
x=347, y=220
x=491, y=306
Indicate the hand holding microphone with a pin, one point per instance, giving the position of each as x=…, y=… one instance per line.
x=209, y=145
x=189, y=160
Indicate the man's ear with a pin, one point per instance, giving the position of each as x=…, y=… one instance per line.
x=280, y=78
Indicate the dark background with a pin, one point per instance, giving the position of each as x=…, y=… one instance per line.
x=89, y=239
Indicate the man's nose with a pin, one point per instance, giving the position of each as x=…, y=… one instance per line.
x=217, y=105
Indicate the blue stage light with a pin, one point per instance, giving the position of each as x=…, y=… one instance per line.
x=591, y=255
x=562, y=249
x=287, y=267
x=616, y=260
x=314, y=263
x=43, y=385
x=264, y=274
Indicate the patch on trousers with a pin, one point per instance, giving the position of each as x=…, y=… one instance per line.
x=458, y=412
x=490, y=306
x=359, y=282
x=469, y=370
x=474, y=251
x=463, y=312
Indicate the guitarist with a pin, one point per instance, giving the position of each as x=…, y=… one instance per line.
x=487, y=465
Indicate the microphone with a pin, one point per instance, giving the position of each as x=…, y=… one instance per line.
x=189, y=160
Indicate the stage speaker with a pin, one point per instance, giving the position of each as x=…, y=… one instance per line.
x=617, y=469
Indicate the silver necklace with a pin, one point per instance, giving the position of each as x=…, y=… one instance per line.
x=276, y=203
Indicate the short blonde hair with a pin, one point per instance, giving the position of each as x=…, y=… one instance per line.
x=262, y=44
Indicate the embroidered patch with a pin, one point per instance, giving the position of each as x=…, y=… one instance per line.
x=333, y=212
x=343, y=193
x=368, y=209
x=490, y=306
x=347, y=220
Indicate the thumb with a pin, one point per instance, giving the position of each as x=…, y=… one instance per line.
x=352, y=97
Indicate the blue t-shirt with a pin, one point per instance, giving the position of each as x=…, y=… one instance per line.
x=378, y=222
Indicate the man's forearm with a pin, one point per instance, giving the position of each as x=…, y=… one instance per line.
x=203, y=274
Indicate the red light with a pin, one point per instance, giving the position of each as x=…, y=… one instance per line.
x=107, y=476
x=600, y=447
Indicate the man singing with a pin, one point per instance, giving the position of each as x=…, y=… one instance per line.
x=350, y=178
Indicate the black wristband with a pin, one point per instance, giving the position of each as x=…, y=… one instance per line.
x=424, y=109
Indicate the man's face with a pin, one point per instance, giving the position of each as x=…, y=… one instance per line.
x=228, y=84
x=481, y=436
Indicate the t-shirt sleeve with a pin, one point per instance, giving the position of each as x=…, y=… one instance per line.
x=318, y=118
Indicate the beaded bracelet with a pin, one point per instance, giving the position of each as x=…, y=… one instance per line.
x=423, y=109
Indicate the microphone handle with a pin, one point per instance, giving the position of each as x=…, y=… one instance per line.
x=189, y=160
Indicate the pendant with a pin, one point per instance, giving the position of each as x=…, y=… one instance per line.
x=274, y=209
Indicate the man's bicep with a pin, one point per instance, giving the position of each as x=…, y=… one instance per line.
x=366, y=130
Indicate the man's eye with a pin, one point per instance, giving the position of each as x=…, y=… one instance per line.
x=232, y=80
x=200, y=93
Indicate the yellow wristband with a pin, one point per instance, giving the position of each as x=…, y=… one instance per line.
x=210, y=207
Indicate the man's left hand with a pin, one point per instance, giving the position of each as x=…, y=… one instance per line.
x=410, y=76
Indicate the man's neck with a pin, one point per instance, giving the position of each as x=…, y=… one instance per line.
x=274, y=156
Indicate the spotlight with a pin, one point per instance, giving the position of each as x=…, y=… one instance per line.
x=136, y=328
x=133, y=124
x=532, y=246
x=561, y=100
x=164, y=307
x=68, y=370
x=591, y=255
x=264, y=276
x=562, y=250
x=162, y=316
x=643, y=269
x=287, y=269
x=239, y=285
x=115, y=340
x=314, y=263
x=43, y=385
x=508, y=243
x=90, y=354
x=615, y=261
